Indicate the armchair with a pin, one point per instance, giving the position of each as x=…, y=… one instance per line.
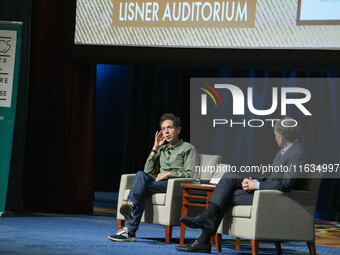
x=274, y=216
x=162, y=208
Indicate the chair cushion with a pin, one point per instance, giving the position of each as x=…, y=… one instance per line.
x=241, y=211
x=156, y=199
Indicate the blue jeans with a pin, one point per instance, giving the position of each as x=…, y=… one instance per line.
x=143, y=186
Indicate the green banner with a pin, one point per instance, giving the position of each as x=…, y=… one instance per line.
x=10, y=44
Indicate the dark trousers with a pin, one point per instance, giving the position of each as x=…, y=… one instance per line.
x=143, y=186
x=229, y=192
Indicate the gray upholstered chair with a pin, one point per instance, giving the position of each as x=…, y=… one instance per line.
x=274, y=216
x=163, y=208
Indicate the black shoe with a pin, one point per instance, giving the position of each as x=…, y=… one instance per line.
x=201, y=221
x=127, y=210
x=195, y=246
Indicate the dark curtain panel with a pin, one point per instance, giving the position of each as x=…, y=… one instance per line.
x=59, y=152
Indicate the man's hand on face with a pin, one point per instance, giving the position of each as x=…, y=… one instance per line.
x=249, y=184
x=163, y=176
x=159, y=140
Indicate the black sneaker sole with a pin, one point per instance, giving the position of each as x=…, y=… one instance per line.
x=126, y=211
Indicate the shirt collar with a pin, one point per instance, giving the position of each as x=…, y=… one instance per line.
x=283, y=151
x=180, y=142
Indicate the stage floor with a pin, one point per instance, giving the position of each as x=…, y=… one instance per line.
x=327, y=233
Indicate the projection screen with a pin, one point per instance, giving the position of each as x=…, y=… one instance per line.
x=255, y=24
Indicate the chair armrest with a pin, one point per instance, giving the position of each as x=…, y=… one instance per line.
x=125, y=183
x=274, y=210
x=174, y=190
x=174, y=198
x=278, y=202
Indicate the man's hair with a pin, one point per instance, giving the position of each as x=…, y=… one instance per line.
x=170, y=116
x=288, y=132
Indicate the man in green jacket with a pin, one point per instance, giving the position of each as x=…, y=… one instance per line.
x=173, y=159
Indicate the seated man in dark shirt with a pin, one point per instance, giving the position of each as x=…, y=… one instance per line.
x=233, y=190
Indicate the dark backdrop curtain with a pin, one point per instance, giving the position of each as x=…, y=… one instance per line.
x=133, y=98
x=59, y=152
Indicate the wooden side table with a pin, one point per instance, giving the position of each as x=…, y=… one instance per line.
x=208, y=190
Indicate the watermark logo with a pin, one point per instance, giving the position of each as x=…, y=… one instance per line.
x=303, y=96
x=204, y=98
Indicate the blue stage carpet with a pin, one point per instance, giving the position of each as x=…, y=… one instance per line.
x=88, y=235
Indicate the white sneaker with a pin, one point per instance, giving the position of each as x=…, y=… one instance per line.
x=123, y=235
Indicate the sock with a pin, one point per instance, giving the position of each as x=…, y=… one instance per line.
x=131, y=234
x=203, y=238
x=212, y=211
x=132, y=204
